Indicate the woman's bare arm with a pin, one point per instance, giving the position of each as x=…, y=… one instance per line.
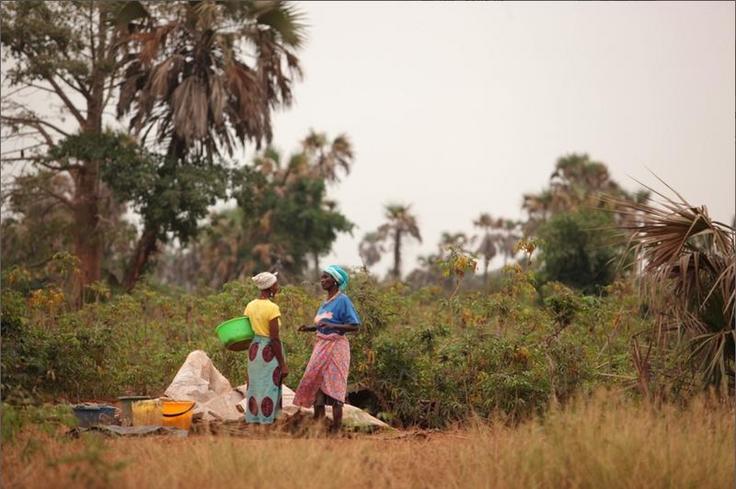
x=345, y=328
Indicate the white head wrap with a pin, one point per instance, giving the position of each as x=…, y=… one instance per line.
x=265, y=280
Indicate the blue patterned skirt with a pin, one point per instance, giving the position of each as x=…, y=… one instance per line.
x=264, y=382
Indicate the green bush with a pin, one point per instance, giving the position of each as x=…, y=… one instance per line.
x=578, y=250
x=429, y=360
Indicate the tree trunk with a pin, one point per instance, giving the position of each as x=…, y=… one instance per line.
x=397, y=255
x=145, y=247
x=317, y=270
x=87, y=239
x=88, y=242
x=485, y=271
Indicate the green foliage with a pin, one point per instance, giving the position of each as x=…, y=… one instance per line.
x=562, y=302
x=47, y=38
x=577, y=183
x=35, y=225
x=215, y=97
x=283, y=219
x=181, y=195
x=306, y=222
x=428, y=359
x=38, y=227
x=577, y=250
x=287, y=208
x=171, y=194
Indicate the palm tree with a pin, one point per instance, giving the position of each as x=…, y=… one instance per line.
x=282, y=220
x=457, y=240
x=189, y=78
x=326, y=157
x=487, y=247
x=538, y=207
x=401, y=223
x=190, y=82
x=371, y=248
x=508, y=238
x=689, y=259
x=577, y=182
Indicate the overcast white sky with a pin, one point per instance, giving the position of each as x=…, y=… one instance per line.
x=460, y=108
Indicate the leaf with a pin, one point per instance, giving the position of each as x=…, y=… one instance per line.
x=130, y=11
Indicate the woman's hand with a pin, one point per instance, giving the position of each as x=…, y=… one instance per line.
x=306, y=328
x=284, y=372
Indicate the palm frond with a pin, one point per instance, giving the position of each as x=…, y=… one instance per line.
x=681, y=245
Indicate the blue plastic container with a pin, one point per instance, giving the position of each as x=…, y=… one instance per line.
x=94, y=414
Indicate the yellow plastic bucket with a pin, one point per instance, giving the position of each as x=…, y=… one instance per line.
x=147, y=412
x=178, y=413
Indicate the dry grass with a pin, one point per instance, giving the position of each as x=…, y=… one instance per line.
x=603, y=443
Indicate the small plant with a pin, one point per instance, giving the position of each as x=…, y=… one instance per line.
x=562, y=302
x=457, y=264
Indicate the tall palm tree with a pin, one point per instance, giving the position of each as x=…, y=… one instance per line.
x=327, y=157
x=371, y=248
x=324, y=157
x=205, y=76
x=538, y=207
x=458, y=240
x=190, y=80
x=487, y=248
x=577, y=182
x=401, y=223
x=508, y=238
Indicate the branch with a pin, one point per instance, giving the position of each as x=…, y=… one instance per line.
x=43, y=162
x=92, y=49
x=21, y=150
x=111, y=88
x=66, y=167
x=47, y=137
x=69, y=105
x=19, y=134
x=79, y=88
x=40, y=87
x=60, y=198
x=24, y=158
x=33, y=122
x=48, y=192
x=17, y=90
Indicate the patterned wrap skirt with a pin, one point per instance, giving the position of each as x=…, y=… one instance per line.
x=264, y=382
x=327, y=370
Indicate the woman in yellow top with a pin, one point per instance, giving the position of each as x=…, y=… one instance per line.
x=266, y=364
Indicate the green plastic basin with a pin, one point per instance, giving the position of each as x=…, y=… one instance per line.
x=235, y=333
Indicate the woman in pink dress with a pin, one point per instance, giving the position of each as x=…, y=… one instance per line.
x=325, y=380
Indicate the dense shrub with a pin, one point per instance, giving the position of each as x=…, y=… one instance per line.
x=425, y=358
x=577, y=250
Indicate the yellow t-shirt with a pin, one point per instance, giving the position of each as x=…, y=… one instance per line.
x=261, y=312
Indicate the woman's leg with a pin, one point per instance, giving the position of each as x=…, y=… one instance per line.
x=319, y=405
x=336, y=417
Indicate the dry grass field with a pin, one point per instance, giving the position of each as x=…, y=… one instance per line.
x=602, y=443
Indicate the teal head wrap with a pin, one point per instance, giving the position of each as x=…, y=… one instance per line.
x=341, y=276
